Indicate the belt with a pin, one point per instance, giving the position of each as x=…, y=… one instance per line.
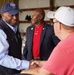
x=36, y=58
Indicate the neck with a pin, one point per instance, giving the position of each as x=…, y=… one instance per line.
x=65, y=34
x=38, y=24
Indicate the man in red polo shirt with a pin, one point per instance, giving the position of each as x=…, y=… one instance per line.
x=40, y=38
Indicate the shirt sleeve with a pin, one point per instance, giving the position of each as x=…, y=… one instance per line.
x=10, y=61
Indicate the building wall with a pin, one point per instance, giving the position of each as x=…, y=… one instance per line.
x=27, y=4
x=64, y=2
x=3, y=1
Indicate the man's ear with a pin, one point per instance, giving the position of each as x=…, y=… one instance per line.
x=59, y=26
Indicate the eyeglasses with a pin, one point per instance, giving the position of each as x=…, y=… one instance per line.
x=54, y=22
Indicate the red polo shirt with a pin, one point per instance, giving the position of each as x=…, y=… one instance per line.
x=36, y=40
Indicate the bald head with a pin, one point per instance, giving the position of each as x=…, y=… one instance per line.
x=41, y=11
x=37, y=16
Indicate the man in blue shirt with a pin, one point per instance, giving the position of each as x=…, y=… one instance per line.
x=10, y=42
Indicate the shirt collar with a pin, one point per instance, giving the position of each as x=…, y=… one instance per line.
x=40, y=25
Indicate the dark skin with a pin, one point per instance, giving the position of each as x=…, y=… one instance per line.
x=10, y=19
x=37, y=16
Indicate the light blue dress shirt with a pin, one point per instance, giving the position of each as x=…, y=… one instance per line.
x=5, y=59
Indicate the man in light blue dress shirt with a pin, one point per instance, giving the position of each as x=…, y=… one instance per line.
x=10, y=42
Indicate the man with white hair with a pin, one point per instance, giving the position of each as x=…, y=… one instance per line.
x=61, y=60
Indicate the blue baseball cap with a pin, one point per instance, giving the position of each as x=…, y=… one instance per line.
x=10, y=8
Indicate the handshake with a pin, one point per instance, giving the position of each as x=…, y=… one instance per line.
x=33, y=67
x=35, y=63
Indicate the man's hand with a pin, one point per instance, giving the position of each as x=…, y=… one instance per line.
x=32, y=64
x=38, y=63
